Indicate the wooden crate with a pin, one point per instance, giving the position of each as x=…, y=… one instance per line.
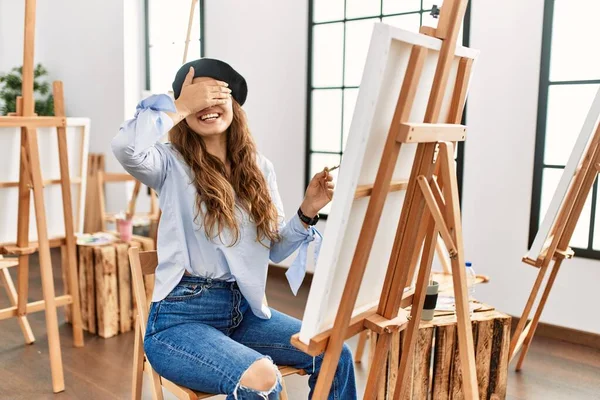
x=436, y=372
x=106, y=294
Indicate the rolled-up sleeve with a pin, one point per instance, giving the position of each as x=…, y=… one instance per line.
x=293, y=235
x=135, y=144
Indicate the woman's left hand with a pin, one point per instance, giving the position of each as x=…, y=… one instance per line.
x=318, y=194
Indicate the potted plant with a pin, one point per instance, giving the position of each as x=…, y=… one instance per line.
x=10, y=88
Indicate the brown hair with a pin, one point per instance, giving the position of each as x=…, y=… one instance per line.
x=217, y=191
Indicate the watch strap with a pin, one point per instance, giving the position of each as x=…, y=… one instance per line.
x=306, y=219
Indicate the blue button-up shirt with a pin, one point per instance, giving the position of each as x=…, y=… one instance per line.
x=182, y=244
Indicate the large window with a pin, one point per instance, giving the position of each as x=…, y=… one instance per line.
x=339, y=36
x=569, y=79
x=166, y=32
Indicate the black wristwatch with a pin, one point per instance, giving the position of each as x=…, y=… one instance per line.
x=307, y=220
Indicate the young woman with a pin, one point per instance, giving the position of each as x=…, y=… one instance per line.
x=222, y=220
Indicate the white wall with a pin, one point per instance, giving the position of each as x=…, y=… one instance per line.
x=501, y=115
x=134, y=53
x=266, y=41
x=95, y=48
x=80, y=43
x=11, y=34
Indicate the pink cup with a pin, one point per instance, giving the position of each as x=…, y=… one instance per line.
x=125, y=229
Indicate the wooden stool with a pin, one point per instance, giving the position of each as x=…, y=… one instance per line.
x=144, y=264
x=435, y=365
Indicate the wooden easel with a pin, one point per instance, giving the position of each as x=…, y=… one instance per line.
x=189, y=30
x=558, y=248
x=430, y=208
x=30, y=179
x=96, y=216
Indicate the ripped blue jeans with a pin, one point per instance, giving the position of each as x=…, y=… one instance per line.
x=204, y=336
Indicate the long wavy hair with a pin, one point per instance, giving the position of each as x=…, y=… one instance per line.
x=218, y=191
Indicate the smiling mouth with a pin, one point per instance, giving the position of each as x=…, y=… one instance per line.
x=209, y=117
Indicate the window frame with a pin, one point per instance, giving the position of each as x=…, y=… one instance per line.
x=201, y=9
x=309, y=88
x=540, y=140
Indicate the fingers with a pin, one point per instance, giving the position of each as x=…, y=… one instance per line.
x=325, y=174
x=217, y=86
x=218, y=89
x=212, y=86
x=320, y=175
x=216, y=102
x=219, y=95
x=322, y=179
x=189, y=77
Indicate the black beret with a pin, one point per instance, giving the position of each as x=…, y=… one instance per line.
x=216, y=69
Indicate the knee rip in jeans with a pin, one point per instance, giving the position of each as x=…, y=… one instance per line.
x=276, y=387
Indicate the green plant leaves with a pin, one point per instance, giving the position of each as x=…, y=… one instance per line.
x=10, y=88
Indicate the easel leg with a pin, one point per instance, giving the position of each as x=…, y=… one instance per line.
x=417, y=251
x=12, y=296
x=517, y=339
x=439, y=249
x=436, y=189
x=538, y=313
x=65, y=279
x=19, y=297
x=382, y=346
x=360, y=347
x=411, y=333
x=459, y=275
x=23, y=225
x=100, y=197
x=464, y=330
x=394, y=362
x=377, y=391
x=71, y=259
x=58, y=382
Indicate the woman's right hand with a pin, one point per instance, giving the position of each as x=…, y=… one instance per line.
x=195, y=97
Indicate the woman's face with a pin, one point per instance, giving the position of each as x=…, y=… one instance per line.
x=213, y=120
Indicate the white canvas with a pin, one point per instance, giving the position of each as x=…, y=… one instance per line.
x=387, y=59
x=10, y=141
x=543, y=237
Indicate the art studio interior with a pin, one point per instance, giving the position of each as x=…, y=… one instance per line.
x=310, y=199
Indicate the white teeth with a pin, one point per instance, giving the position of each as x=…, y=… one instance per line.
x=209, y=116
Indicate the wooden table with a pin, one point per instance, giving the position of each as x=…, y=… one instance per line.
x=107, y=302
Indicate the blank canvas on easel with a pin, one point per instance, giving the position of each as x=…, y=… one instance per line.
x=544, y=237
x=78, y=143
x=384, y=71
